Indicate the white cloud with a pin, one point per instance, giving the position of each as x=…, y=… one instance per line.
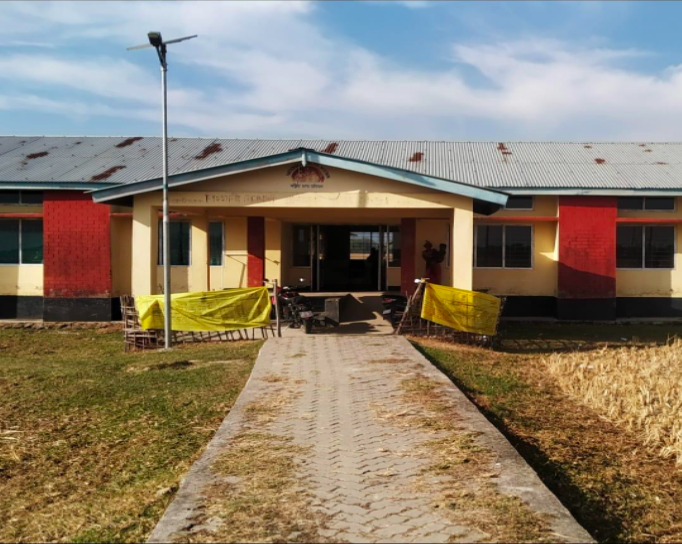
x=270, y=69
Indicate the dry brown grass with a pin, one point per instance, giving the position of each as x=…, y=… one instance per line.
x=259, y=497
x=460, y=474
x=617, y=488
x=639, y=388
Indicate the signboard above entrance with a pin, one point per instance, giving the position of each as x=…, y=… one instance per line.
x=311, y=176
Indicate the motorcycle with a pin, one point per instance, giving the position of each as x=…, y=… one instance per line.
x=296, y=308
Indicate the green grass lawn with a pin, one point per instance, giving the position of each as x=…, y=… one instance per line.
x=616, y=487
x=94, y=441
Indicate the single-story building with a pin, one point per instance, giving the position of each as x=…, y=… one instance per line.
x=571, y=230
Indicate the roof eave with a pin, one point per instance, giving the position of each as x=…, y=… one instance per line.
x=491, y=196
x=579, y=191
x=58, y=185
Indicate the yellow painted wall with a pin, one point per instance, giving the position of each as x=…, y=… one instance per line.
x=653, y=283
x=541, y=280
x=437, y=232
x=273, y=188
x=343, y=198
x=24, y=279
x=21, y=280
x=273, y=250
x=192, y=278
x=144, y=246
x=121, y=255
x=234, y=273
x=21, y=208
x=461, y=253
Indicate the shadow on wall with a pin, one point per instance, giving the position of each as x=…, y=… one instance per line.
x=237, y=267
x=13, y=306
x=574, y=283
x=179, y=279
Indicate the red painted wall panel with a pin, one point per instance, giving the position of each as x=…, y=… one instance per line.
x=77, y=246
x=255, y=241
x=408, y=268
x=587, y=246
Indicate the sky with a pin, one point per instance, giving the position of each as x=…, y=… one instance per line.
x=586, y=71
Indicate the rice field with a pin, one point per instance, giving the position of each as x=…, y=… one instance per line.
x=633, y=386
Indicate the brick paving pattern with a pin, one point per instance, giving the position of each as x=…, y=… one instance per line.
x=361, y=469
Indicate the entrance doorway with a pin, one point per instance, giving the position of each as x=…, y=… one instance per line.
x=350, y=258
x=347, y=258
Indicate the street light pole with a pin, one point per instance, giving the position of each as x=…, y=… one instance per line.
x=167, y=340
x=156, y=41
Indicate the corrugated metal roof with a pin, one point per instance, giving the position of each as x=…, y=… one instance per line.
x=498, y=165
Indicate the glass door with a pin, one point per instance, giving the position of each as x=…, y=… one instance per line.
x=350, y=258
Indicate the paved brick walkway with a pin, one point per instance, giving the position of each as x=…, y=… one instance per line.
x=363, y=469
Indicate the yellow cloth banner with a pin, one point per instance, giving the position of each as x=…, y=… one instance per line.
x=462, y=310
x=226, y=310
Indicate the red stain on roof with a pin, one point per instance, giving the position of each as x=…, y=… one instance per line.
x=587, y=146
x=417, y=156
x=661, y=162
x=501, y=147
x=37, y=155
x=331, y=148
x=107, y=173
x=209, y=150
x=642, y=145
x=129, y=141
x=600, y=161
x=648, y=150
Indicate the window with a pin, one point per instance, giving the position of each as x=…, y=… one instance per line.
x=9, y=197
x=21, y=241
x=301, y=236
x=31, y=197
x=645, y=247
x=216, y=243
x=179, y=233
x=651, y=203
x=393, y=246
x=503, y=246
x=21, y=197
x=521, y=202
x=364, y=245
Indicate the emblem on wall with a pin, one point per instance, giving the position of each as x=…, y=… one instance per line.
x=311, y=176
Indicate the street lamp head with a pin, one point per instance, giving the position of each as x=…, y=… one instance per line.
x=155, y=39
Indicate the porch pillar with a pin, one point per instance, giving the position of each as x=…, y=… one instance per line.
x=408, y=254
x=199, y=271
x=273, y=250
x=255, y=245
x=462, y=246
x=144, y=245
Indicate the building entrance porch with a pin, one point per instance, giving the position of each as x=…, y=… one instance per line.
x=348, y=258
x=366, y=250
